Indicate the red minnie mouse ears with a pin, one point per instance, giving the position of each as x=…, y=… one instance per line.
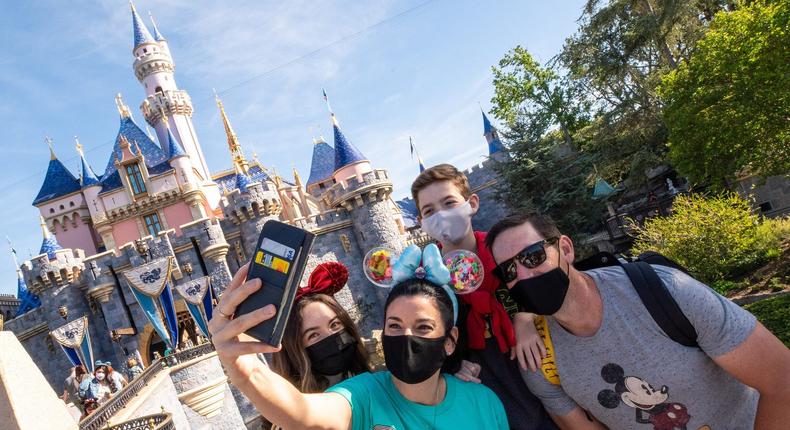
x=327, y=278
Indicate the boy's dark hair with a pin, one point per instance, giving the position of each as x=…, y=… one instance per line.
x=440, y=172
x=541, y=223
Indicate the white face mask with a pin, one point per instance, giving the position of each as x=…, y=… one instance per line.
x=100, y=376
x=449, y=225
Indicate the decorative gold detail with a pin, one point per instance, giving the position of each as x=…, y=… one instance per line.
x=345, y=242
x=236, y=152
x=122, y=108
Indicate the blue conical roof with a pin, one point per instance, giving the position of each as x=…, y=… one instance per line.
x=323, y=163
x=242, y=181
x=173, y=146
x=345, y=152
x=57, y=183
x=151, y=151
x=88, y=177
x=157, y=35
x=141, y=33
x=27, y=300
x=492, y=136
x=48, y=246
x=487, y=127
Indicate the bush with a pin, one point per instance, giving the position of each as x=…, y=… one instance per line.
x=716, y=238
x=774, y=313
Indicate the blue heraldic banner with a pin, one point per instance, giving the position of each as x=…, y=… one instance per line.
x=198, y=295
x=75, y=340
x=150, y=284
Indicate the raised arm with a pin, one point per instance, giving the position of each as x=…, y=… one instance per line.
x=274, y=397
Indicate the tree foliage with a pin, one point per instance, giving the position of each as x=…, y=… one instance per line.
x=715, y=238
x=544, y=172
x=730, y=102
x=617, y=57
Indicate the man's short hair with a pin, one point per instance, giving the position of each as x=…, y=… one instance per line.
x=437, y=173
x=544, y=225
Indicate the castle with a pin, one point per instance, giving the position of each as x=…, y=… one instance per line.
x=157, y=199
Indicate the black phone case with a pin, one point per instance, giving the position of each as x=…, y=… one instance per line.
x=278, y=288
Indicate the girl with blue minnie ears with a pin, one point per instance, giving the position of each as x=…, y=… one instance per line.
x=419, y=333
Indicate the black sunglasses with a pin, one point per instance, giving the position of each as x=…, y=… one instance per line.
x=530, y=257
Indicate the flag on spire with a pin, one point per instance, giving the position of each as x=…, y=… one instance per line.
x=413, y=151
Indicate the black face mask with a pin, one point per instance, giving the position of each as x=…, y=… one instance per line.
x=542, y=294
x=413, y=359
x=333, y=354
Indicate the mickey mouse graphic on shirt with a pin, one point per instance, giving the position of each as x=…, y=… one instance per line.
x=650, y=403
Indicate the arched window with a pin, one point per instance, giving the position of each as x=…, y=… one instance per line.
x=135, y=178
x=159, y=90
x=71, y=204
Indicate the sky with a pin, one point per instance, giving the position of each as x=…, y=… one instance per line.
x=392, y=69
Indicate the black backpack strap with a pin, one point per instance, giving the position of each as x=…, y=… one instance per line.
x=601, y=259
x=660, y=303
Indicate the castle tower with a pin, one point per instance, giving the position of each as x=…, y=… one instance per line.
x=27, y=300
x=491, y=134
x=154, y=68
x=63, y=206
x=364, y=193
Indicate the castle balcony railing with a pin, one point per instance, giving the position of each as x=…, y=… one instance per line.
x=102, y=415
x=105, y=412
x=172, y=102
x=162, y=421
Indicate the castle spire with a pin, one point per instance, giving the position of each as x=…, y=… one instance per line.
x=174, y=148
x=123, y=110
x=345, y=152
x=50, y=243
x=236, y=152
x=27, y=300
x=52, y=155
x=323, y=163
x=157, y=35
x=58, y=180
x=87, y=177
x=492, y=136
x=141, y=33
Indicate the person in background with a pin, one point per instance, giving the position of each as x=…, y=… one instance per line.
x=71, y=389
x=97, y=388
x=321, y=344
x=134, y=368
x=116, y=378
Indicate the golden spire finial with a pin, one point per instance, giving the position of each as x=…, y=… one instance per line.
x=122, y=108
x=297, y=179
x=236, y=153
x=79, y=146
x=51, y=148
x=44, y=228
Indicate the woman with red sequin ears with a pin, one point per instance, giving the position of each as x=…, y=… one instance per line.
x=321, y=345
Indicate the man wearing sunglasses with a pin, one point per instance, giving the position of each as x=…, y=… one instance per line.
x=611, y=361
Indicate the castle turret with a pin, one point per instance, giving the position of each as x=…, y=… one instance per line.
x=364, y=193
x=27, y=300
x=159, y=38
x=155, y=69
x=491, y=134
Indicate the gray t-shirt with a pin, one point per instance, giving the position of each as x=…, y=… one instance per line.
x=630, y=375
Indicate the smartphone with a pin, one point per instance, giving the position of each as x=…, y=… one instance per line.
x=279, y=261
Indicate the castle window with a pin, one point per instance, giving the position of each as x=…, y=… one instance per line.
x=135, y=178
x=71, y=204
x=152, y=224
x=159, y=90
x=52, y=210
x=61, y=207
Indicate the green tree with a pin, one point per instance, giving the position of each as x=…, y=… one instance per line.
x=617, y=56
x=728, y=106
x=544, y=172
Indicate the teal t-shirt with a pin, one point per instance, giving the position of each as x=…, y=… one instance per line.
x=377, y=405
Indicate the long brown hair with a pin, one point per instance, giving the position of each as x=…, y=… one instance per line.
x=292, y=361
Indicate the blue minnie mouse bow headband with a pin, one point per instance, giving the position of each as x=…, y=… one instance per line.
x=432, y=270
